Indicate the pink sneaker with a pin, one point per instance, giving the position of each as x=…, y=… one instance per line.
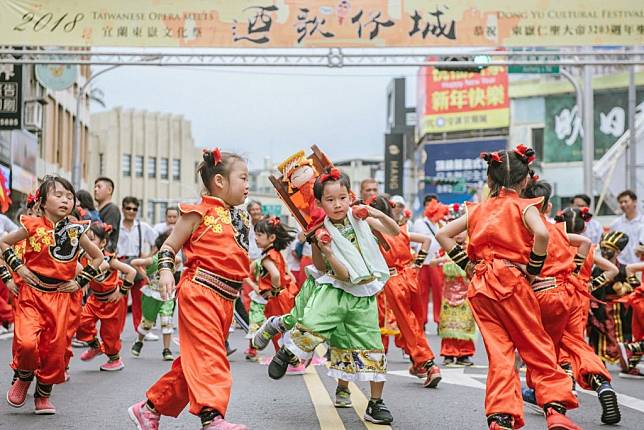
x=113, y=366
x=221, y=424
x=433, y=377
x=17, y=394
x=296, y=370
x=44, y=406
x=90, y=354
x=144, y=418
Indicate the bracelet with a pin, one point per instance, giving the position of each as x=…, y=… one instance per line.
x=12, y=259
x=420, y=258
x=458, y=256
x=126, y=286
x=165, y=260
x=536, y=262
x=579, y=262
x=86, y=275
x=598, y=282
x=5, y=275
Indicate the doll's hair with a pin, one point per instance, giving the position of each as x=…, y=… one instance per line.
x=507, y=168
x=330, y=176
x=216, y=162
x=539, y=189
x=273, y=225
x=574, y=218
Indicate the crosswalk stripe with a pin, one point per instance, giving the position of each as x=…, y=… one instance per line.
x=327, y=414
x=360, y=403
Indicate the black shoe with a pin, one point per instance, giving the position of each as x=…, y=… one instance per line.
x=448, y=361
x=280, y=362
x=167, y=354
x=608, y=400
x=464, y=361
x=378, y=413
x=136, y=348
x=500, y=422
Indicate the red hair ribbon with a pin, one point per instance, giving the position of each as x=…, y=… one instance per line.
x=407, y=213
x=274, y=221
x=525, y=152
x=535, y=178
x=491, y=156
x=33, y=197
x=212, y=156
x=107, y=228
x=585, y=214
x=333, y=175
x=392, y=204
x=456, y=207
x=370, y=200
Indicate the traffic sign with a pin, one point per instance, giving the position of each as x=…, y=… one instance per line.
x=536, y=69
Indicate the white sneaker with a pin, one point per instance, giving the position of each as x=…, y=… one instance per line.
x=6, y=333
x=151, y=337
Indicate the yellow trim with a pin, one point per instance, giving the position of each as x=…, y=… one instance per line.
x=327, y=414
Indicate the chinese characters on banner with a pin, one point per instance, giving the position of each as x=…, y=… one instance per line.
x=456, y=101
x=459, y=161
x=320, y=23
x=10, y=96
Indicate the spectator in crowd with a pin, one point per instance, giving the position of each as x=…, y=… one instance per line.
x=256, y=213
x=171, y=218
x=594, y=229
x=108, y=211
x=136, y=239
x=368, y=189
x=6, y=225
x=630, y=222
x=86, y=203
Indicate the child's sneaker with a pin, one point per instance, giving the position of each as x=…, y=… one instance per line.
x=378, y=413
x=167, y=355
x=143, y=417
x=464, y=361
x=251, y=354
x=17, y=393
x=136, y=348
x=342, y=398
x=44, y=406
x=113, y=365
x=419, y=372
x=90, y=354
x=500, y=422
x=221, y=424
x=632, y=373
x=266, y=332
x=433, y=376
x=558, y=421
x=449, y=361
x=279, y=363
x=608, y=400
x=530, y=401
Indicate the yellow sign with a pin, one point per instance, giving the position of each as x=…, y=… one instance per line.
x=320, y=23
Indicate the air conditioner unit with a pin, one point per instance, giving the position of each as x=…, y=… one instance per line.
x=33, y=115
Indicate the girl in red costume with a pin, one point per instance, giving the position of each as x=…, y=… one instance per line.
x=213, y=235
x=48, y=288
x=505, y=252
x=105, y=304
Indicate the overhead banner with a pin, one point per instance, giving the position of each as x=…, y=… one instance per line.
x=320, y=23
x=459, y=101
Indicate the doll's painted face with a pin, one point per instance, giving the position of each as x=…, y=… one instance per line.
x=301, y=176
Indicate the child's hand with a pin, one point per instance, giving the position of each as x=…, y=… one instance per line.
x=114, y=297
x=11, y=286
x=166, y=284
x=28, y=276
x=104, y=266
x=69, y=287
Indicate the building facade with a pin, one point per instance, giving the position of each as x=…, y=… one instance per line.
x=149, y=155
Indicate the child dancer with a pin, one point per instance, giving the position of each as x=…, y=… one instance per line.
x=556, y=290
x=343, y=309
x=105, y=304
x=46, y=286
x=214, y=237
x=610, y=323
x=273, y=281
x=402, y=290
x=507, y=248
x=152, y=305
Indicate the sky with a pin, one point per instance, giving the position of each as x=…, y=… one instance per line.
x=262, y=112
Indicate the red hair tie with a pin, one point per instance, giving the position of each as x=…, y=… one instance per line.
x=212, y=156
x=370, y=200
x=456, y=207
x=274, y=221
x=535, y=178
x=491, y=157
x=333, y=175
x=392, y=204
x=407, y=213
x=107, y=228
x=526, y=153
x=32, y=198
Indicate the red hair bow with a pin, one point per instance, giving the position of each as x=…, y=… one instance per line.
x=526, y=153
x=535, y=178
x=370, y=200
x=107, y=228
x=213, y=156
x=584, y=210
x=333, y=175
x=456, y=207
x=392, y=204
x=274, y=221
x=33, y=197
x=407, y=213
x=491, y=156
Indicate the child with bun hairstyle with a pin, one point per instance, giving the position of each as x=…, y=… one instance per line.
x=105, y=304
x=506, y=250
x=213, y=236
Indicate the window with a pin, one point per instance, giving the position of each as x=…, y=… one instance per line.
x=152, y=167
x=537, y=142
x=150, y=212
x=163, y=169
x=127, y=165
x=138, y=166
x=176, y=169
x=162, y=208
x=101, y=164
x=196, y=172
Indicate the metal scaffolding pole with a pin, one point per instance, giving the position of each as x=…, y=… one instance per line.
x=588, y=146
x=631, y=155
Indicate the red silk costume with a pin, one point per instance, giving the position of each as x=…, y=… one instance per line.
x=506, y=309
x=46, y=318
x=110, y=314
x=216, y=264
x=282, y=301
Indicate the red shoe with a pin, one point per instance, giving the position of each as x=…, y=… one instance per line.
x=44, y=406
x=113, y=366
x=144, y=418
x=433, y=377
x=17, y=394
x=251, y=354
x=418, y=371
x=221, y=424
x=91, y=353
x=557, y=421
